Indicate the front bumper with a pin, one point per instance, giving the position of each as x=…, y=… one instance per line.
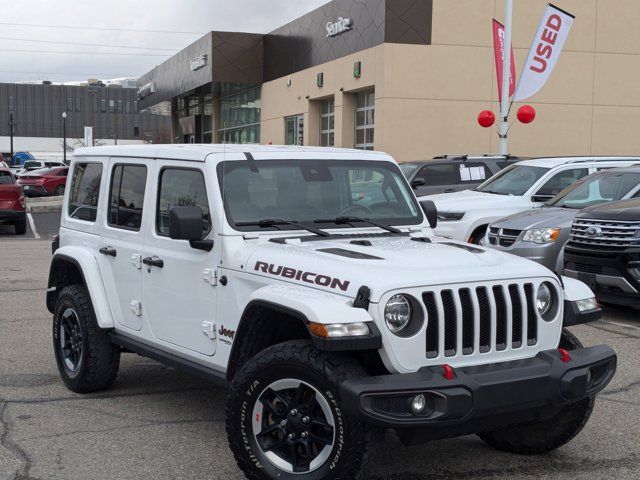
x=34, y=190
x=545, y=254
x=479, y=398
x=607, y=273
x=12, y=216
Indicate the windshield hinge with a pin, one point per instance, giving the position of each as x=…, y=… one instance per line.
x=136, y=307
x=209, y=329
x=210, y=275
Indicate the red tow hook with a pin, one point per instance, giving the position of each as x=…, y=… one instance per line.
x=449, y=373
x=564, y=355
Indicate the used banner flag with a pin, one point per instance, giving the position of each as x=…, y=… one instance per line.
x=498, y=50
x=545, y=51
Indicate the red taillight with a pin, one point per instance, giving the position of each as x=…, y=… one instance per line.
x=448, y=372
x=564, y=355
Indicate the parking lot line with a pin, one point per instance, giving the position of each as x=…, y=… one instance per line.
x=625, y=325
x=33, y=226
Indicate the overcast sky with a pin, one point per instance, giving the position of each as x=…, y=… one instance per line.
x=198, y=16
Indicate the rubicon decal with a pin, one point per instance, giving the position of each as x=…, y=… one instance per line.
x=300, y=275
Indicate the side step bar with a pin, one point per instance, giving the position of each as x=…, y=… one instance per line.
x=161, y=356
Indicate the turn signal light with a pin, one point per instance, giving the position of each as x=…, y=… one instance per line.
x=564, y=355
x=339, y=330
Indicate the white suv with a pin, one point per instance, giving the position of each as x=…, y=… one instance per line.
x=309, y=281
x=529, y=184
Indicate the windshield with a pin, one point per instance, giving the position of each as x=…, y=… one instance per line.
x=5, y=177
x=600, y=188
x=304, y=191
x=408, y=168
x=31, y=165
x=513, y=180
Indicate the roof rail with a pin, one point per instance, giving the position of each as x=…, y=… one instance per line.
x=460, y=156
x=599, y=159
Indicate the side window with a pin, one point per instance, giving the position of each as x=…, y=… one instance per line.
x=438, y=174
x=637, y=194
x=473, y=172
x=181, y=188
x=126, y=196
x=562, y=180
x=85, y=190
x=63, y=173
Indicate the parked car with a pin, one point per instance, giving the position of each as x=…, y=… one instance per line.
x=452, y=173
x=327, y=318
x=523, y=186
x=541, y=234
x=31, y=165
x=46, y=181
x=604, y=251
x=12, y=202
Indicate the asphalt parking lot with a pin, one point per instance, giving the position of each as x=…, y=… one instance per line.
x=158, y=423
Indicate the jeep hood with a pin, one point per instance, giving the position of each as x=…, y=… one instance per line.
x=467, y=200
x=539, y=218
x=388, y=263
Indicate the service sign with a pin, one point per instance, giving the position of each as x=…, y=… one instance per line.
x=199, y=62
x=336, y=28
x=146, y=90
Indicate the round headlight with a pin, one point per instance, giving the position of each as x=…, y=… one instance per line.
x=544, y=299
x=397, y=313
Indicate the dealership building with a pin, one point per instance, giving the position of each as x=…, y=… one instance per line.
x=404, y=76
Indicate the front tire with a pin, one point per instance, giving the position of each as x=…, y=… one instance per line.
x=545, y=436
x=59, y=191
x=86, y=358
x=285, y=420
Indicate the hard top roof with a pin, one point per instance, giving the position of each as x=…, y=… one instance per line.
x=550, y=162
x=199, y=152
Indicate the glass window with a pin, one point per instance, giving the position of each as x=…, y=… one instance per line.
x=12, y=104
x=562, y=180
x=69, y=104
x=513, y=180
x=408, y=168
x=126, y=197
x=599, y=188
x=127, y=106
x=181, y=188
x=78, y=104
x=239, y=116
x=438, y=174
x=119, y=107
x=294, y=130
x=103, y=105
x=85, y=191
x=327, y=123
x=365, y=120
x=472, y=172
x=112, y=105
x=305, y=191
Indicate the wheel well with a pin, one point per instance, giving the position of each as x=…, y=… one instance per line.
x=263, y=325
x=477, y=234
x=63, y=273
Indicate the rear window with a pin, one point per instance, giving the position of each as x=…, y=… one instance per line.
x=5, y=178
x=32, y=164
x=85, y=190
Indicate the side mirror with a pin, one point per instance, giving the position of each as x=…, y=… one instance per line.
x=431, y=212
x=418, y=182
x=541, y=198
x=185, y=223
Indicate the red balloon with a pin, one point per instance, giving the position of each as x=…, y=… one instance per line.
x=486, y=118
x=526, y=114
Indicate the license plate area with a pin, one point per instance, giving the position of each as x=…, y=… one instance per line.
x=589, y=279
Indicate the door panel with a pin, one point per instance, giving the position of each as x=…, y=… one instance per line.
x=179, y=302
x=120, y=248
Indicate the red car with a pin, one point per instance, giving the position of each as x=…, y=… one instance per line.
x=45, y=181
x=12, y=203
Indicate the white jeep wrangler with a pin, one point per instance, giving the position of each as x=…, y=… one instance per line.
x=309, y=281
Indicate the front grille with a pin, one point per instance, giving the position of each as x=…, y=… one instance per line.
x=605, y=233
x=583, y=267
x=503, y=237
x=465, y=321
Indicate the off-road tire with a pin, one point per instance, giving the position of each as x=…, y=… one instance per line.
x=21, y=226
x=299, y=360
x=100, y=359
x=543, y=437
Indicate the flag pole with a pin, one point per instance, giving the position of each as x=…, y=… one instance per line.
x=503, y=128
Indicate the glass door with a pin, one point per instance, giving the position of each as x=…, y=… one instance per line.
x=294, y=130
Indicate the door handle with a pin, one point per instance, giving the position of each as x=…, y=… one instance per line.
x=110, y=251
x=153, y=262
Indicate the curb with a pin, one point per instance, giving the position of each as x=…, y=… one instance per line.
x=44, y=204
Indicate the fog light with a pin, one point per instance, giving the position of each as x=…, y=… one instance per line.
x=418, y=404
x=587, y=304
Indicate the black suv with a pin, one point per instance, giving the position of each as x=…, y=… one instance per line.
x=604, y=251
x=451, y=173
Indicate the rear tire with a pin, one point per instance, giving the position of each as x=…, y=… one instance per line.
x=545, y=436
x=284, y=419
x=59, y=191
x=86, y=358
x=21, y=227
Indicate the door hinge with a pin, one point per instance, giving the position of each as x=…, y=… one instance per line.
x=210, y=275
x=209, y=329
x=136, y=260
x=136, y=307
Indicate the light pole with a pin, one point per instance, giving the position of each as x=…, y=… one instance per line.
x=64, y=137
x=503, y=127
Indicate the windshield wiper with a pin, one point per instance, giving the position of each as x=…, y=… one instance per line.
x=343, y=220
x=269, y=222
